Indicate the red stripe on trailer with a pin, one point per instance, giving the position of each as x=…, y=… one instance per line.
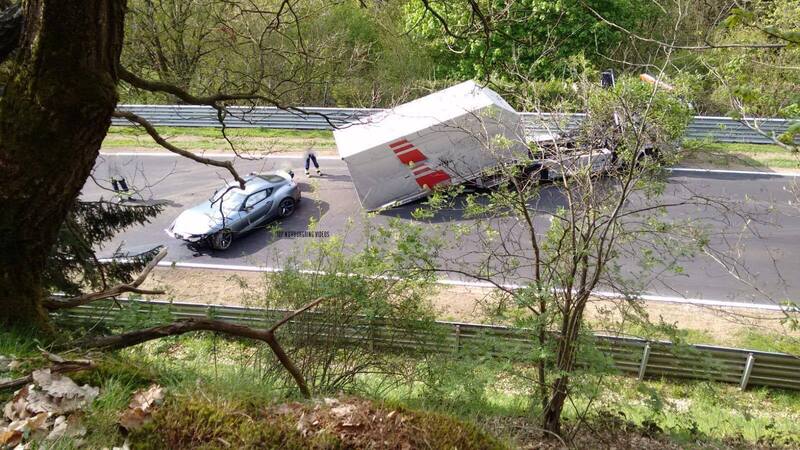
x=432, y=179
x=398, y=143
x=403, y=148
x=411, y=156
x=421, y=169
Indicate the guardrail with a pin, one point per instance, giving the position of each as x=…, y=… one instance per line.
x=722, y=129
x=632, y=356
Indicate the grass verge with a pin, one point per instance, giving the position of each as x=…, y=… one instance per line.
x=761, y=157
x=250, y=140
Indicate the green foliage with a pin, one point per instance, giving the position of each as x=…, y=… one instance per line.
x=791, y=135
x=529, y=38
x=699, y=411
x=315, y=53
x=364, y=289
x=73, y=266
x=646, y=117
x=210, y=384
x=752, y=81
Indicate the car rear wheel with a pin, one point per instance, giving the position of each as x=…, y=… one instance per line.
x=287, y=206
x=222, y=239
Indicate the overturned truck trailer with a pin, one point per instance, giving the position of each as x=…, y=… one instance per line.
x=452, y=136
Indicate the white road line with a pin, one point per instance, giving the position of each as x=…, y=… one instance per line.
x=699, y=302
x=336, y=158
x=483, y=284
x=733, y=172
x=221, y=155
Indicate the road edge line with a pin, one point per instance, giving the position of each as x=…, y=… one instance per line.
x=480, y=284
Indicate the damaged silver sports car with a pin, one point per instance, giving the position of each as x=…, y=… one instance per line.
x=232, y=211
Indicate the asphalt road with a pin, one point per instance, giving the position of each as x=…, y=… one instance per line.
x=761, y=250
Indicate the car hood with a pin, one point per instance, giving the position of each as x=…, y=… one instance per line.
x=202, y=219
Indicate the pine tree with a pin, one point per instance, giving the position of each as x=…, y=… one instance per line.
x=73, y=266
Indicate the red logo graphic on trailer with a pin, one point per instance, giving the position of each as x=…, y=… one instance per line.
x=412, y=157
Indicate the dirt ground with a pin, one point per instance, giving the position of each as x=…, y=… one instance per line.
x=712, y=325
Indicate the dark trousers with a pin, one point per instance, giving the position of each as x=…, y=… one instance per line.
x=312, y=158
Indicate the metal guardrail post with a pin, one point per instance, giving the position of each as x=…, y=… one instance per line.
x=458, y=338
x=748, y=368
x=371, y=336
x=645, y=357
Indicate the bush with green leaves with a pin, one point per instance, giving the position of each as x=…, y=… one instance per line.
x=375, y=305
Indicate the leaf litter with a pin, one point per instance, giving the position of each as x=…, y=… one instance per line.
x=141, y=407
x=47, y=409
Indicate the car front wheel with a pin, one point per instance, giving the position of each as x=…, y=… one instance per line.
x=286, y=207
x=222, y=239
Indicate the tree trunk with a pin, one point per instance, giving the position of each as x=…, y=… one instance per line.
x=565, y=364
x=54, y=114
x=551, y=420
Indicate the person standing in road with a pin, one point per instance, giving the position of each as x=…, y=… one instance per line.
x=312, y=157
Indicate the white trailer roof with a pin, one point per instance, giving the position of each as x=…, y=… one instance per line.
x=401, y=121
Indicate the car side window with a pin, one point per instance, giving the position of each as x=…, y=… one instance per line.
x=256, y=198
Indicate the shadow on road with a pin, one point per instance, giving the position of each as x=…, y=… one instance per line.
x=275, y=234
x=549, y=200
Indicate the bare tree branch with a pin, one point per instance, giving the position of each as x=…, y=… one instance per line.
x=132, y=287
x=151, y=130
x=673, y=46
x=211, y=100
x=294, y=314
x=59, y=367
x=188, y=325
x=160, y=86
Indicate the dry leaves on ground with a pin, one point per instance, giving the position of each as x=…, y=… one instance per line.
x=356, y=422
x=47, y=409
x=141, y=407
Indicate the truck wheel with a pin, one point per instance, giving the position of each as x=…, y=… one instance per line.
x=222, y=239
x=544, y=175
x=647, y=155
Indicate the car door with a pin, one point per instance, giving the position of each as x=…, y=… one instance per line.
x=256, y=207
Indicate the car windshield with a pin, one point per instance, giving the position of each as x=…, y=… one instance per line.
x=231, y=198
